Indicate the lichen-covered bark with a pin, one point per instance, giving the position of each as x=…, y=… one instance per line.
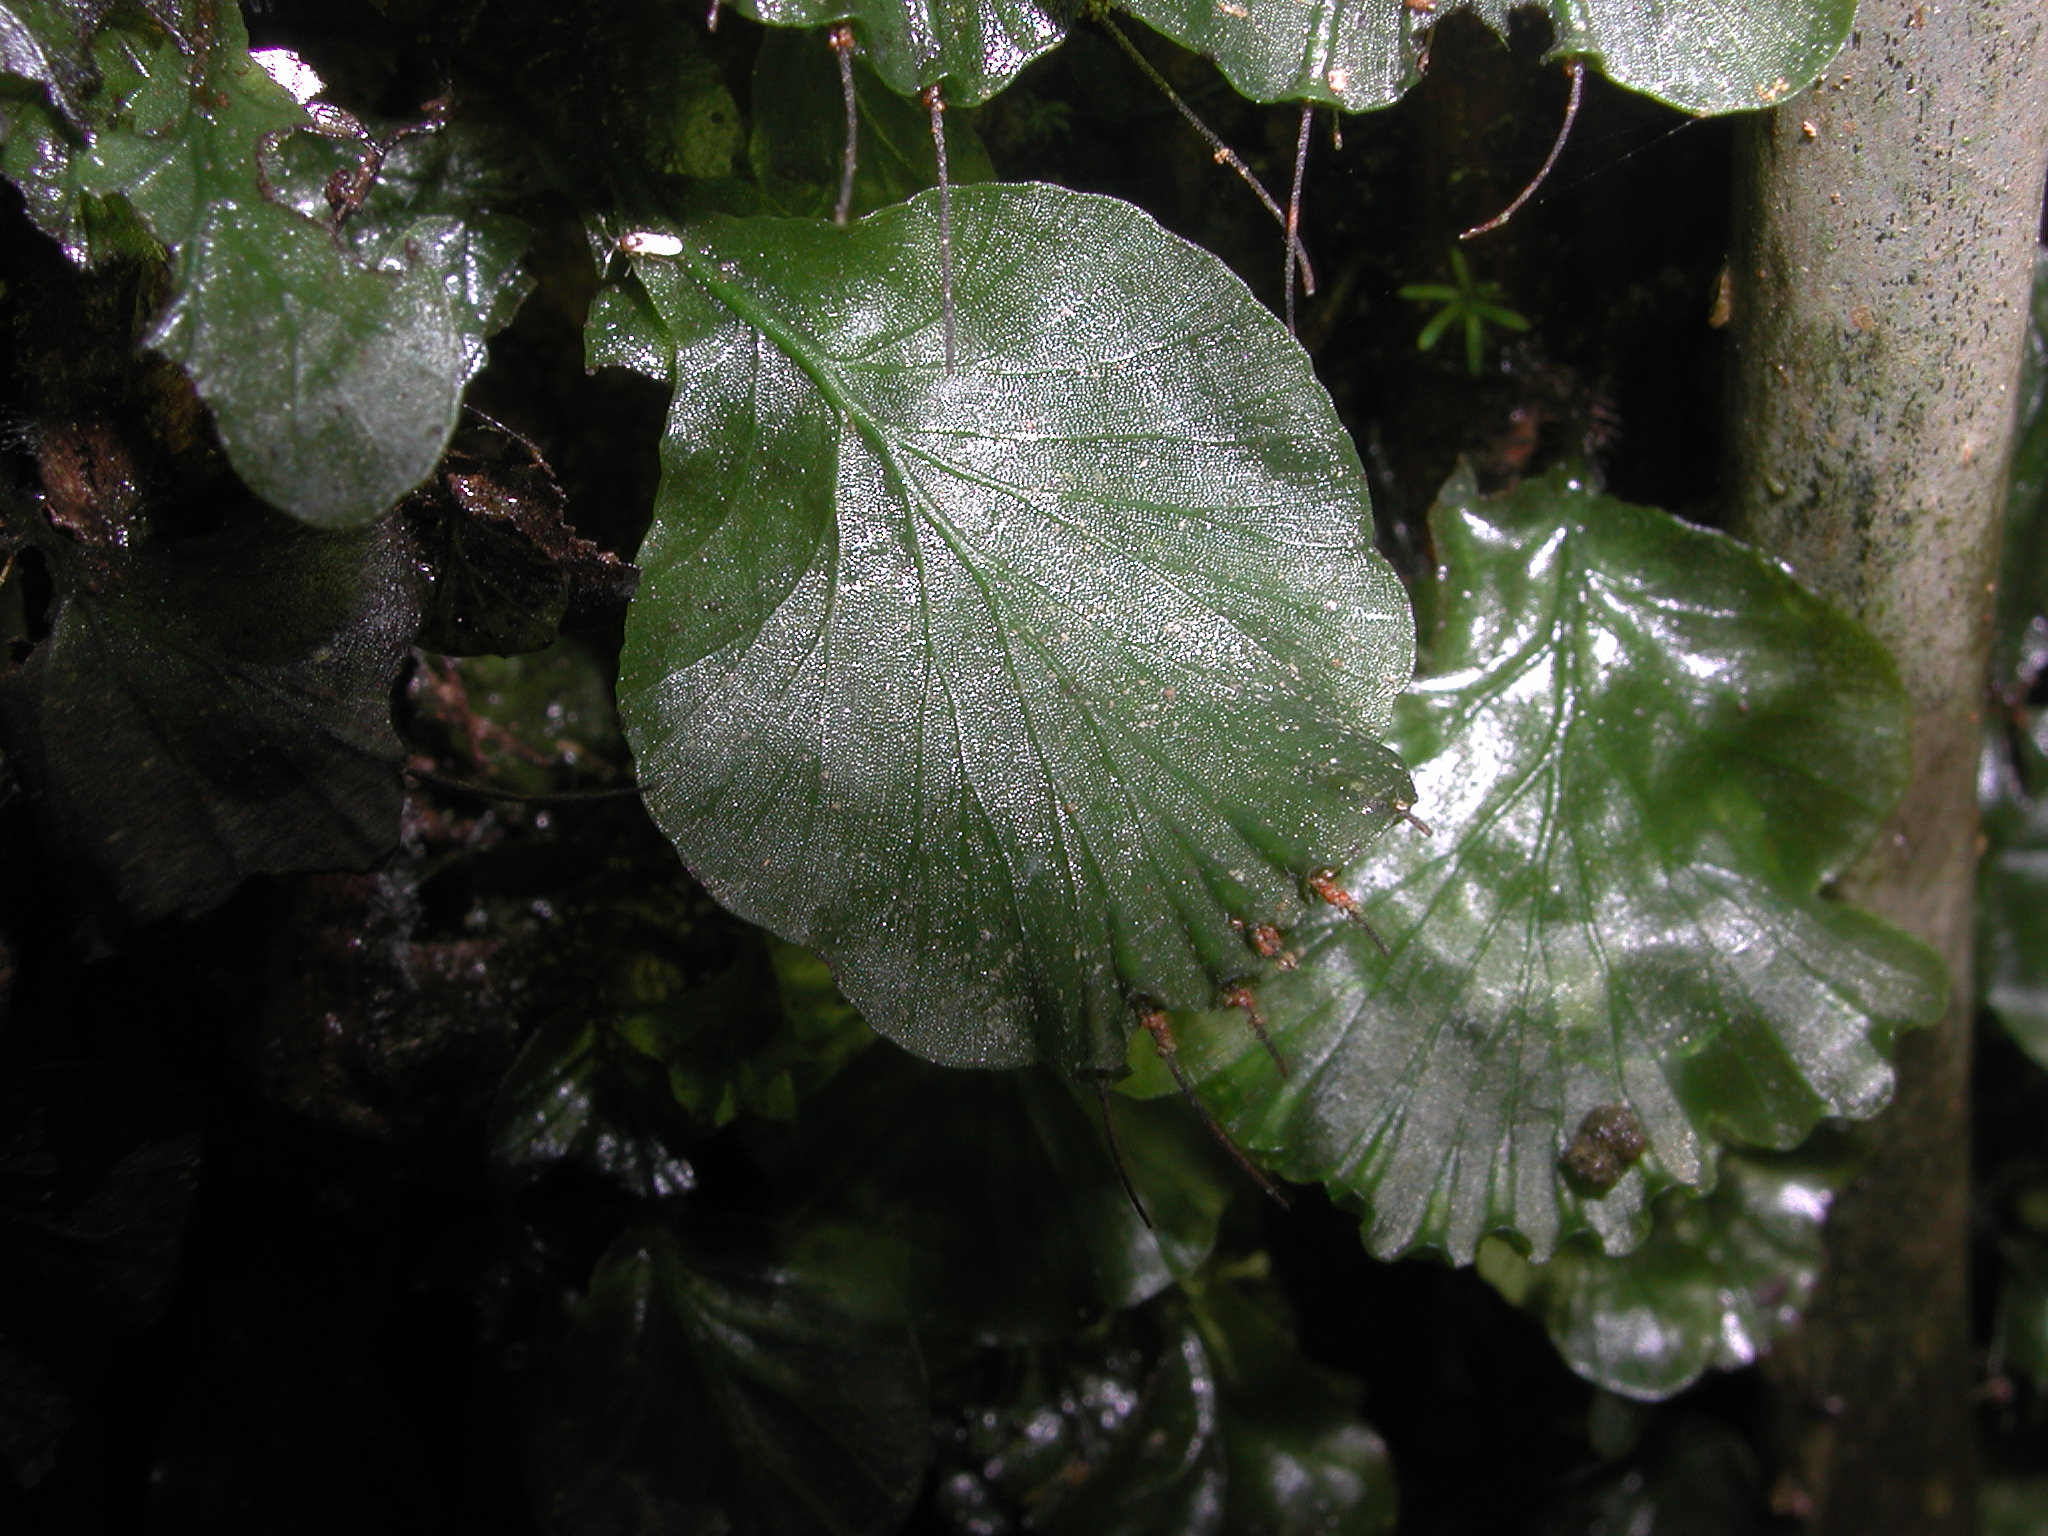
x=1886, y=225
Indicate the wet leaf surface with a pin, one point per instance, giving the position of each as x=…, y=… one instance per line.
x=1643, y=750
x=975, y=50
x=1195, y=1414
x=1698, y=55
x=333, y=366
x=1016, y=691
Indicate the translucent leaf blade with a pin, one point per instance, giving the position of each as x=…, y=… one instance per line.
x=975, y=50
x=1015, y=692
x=1697, y=55
x=1642, y=749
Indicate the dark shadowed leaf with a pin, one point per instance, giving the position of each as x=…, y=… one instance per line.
x=2012, y=909
x=1718, y=1281
x=1195, y=1414
x=579, y=1094
x=215, y=707
x=2020, y=655
x=1115, y=1432
x=992, y=1200
x=1692, y=1476
x=1301, y=1461
x=505, y=566
x=2012, y=915
x=705, y=1389
x=1018, y=691
x=1643, y=749
x=2019, y=1327
x=1698, y=55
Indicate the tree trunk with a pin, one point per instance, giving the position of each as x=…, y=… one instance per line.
x=1885, y=232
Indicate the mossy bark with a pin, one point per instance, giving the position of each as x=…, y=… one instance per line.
x=1885, y=231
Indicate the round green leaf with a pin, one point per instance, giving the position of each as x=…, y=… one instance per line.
x=1698, y=55
x=335, y=388
x=1018, y=690
x=1643, y=748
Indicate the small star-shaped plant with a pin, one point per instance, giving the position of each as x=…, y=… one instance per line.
x=1473, y=305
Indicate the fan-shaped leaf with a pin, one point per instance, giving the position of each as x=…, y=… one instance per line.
x=1643, y=748
x=215, y=708
x=1016, y=691
x=1698, y=55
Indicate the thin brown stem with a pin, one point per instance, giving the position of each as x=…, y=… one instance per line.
x=1571, y=115
x=1294, y=212
x=1222, y=152
x=841, y=38
x=1155, y=1024
x=935, y=103
x=1239, y=996
x=1323, y=885
x=1116, y=1154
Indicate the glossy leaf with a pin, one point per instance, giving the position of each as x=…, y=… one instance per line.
x=992, y=1199
x=1642, y=748
x=48, y=45
x=334, y=368
x=1016, y=691
x=215, y=708
x=1698, y=55
x=706, y=1388
x=1718, y=1281
x=975, y=50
